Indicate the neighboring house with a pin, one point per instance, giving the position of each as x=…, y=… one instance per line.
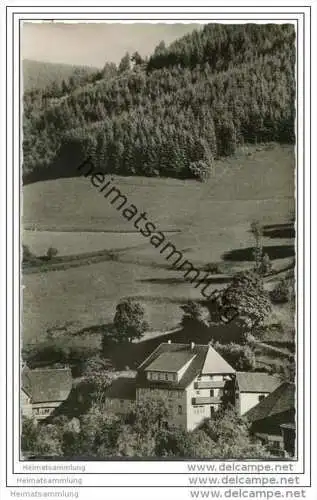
x=189, y=378
x=273, y=420
x=43, y=390
x=120, y=396
x=253, y=387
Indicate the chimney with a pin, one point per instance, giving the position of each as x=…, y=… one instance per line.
x=192, y=345
x=169, y=341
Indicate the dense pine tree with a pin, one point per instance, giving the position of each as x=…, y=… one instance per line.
x=191, y=102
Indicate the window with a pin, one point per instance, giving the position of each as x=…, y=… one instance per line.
x=212, y=393
x=197, y=392
x=274, y=445
x=261, y=397
x=121, y=403
x=166, y=376
x=180, y=394
x=174, y=376
x=180, y=409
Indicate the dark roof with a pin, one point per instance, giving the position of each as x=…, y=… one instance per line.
x=257, y=382
x=205, y=360
x=47, y=385
x=279, y=401
x=121, y=388
x=171, y=361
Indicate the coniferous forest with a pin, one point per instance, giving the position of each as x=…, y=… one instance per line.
x=170, y=114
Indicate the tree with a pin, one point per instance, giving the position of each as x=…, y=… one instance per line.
x=240, y=357
x=129, y=320
x=97, y=376
x=231, y=437
x=195, y=315
x=28, y=434
x=266, y=265
x=124, y=64
x=245, y=299
x=51, y=252
x=136, y=58
x=43, y=440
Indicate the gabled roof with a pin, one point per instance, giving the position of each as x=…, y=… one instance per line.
x=47, y=385
x=279, y=401
x=205, y=360
x=121, y=388
x=170, y=361
x=214, y=363
x=257, y=382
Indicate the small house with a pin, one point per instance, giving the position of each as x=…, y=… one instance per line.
x=273, y=420
x=252, y=387
x=43, y=390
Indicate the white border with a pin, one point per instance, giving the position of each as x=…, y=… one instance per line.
x=213, y=14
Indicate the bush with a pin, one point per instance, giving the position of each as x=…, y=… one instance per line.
x=27, y=256
x=51, y=253
x=200, y=170
x=281, y=294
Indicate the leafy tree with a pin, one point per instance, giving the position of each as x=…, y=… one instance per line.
x=230, y=435
x=129, y=320
x=97, y=436
x=97, y=376
x=246, y=299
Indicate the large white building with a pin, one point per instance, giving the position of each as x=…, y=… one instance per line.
x=190, y=378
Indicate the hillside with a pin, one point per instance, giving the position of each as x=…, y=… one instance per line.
x=39, y=75
x=210, y=223
x=172, y=115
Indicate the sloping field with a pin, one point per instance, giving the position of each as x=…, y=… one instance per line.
x=208, y=223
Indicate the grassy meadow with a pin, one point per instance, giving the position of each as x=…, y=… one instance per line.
x=209, y=222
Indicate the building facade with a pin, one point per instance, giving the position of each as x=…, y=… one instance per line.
x=251, y=388
x=188, y=378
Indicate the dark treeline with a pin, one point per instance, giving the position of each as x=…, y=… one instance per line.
x=172, y=114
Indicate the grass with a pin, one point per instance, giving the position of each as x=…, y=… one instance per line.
x=207, y=222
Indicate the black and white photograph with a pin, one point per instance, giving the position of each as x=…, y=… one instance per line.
x=158, y=241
